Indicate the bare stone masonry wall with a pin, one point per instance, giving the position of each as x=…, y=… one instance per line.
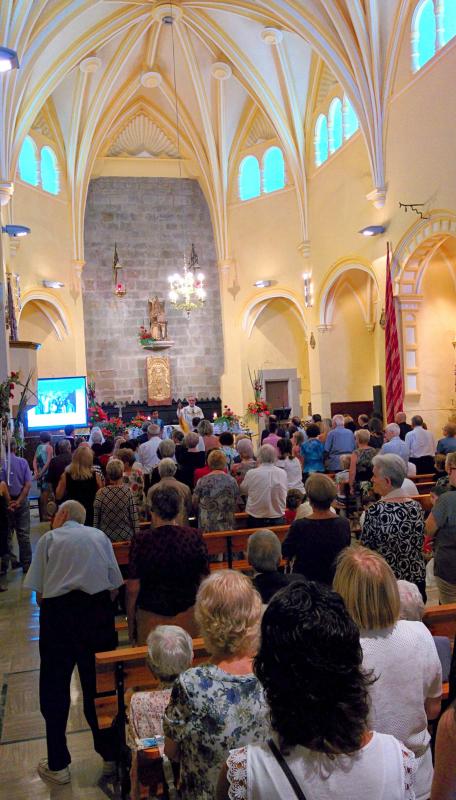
x=153, y=221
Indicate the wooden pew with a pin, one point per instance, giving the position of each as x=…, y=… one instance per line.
x=428, y=478
x=425, y=486
x=218, y=543
x=441, y=621
x=117, y=671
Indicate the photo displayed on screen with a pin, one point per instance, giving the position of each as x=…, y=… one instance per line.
x=61, y=401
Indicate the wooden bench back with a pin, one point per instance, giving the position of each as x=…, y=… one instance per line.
x=218, y=543
x=441, y=620
x=136, y=673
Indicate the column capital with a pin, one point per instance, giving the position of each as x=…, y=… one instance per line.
x=377, y=196
x=410, y=302
x=304, y=248
x=6, y=192
x=225, y=265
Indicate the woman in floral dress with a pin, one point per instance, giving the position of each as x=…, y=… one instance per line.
x=134, y=477
x=218, y=706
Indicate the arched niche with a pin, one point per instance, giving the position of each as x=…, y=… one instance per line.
x=427, y=303
x=276, y=343
x=348, y=312
x=43, y=319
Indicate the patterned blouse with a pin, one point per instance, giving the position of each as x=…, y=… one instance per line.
x=115, y=513
x=145, y=716
x=135, y=480
x=218, y=496
x=395, y=529
x=210, y=713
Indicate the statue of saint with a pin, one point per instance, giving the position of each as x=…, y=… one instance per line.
x=158, y=321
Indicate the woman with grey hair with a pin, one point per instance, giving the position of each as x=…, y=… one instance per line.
x=266, y=489
x=190, y=458
x=394, y=525
x=166, y=449
x=167, y=470
x=114, y=509
x=240, y=469
x=169, y=652
x=264, y=553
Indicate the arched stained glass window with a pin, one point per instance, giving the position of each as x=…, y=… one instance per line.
x=249, y=178
x=424, y=31
x=351, y=122
x=49, y=171
x=273, y=170
x=28, y=167
x=321, y=140
x=448, y=26
x=335, y=125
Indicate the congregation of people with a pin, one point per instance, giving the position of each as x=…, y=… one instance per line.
x=321, y=680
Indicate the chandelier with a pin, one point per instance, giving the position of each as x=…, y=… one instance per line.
x=187, y=292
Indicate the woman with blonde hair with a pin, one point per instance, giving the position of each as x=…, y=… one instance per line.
x=218, y=706
x=400, y=655
x=80, y=482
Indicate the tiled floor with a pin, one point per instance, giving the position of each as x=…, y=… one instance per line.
x=22, y=742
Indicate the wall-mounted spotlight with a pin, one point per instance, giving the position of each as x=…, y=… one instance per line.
x=53, y=284
x=262, y=284
x=373, y=230
x=16, y=230
x=8, y=59
x=308, y=289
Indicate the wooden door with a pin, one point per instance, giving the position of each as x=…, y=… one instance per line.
x=277, y=394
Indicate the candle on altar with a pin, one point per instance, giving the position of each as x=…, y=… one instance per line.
x=215, y=415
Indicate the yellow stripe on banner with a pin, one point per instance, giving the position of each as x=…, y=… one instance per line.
x=185, y=427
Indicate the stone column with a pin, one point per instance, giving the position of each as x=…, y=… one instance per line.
x=6, y=192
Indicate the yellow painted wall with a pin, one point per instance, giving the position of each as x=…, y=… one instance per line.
x=47, y=254
x=277, y=342
x=436, y=330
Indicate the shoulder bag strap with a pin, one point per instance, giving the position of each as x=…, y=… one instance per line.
x=286, y=769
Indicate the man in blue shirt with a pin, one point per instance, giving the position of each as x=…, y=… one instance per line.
x=394, y=444
x=340, y=440
x=19, y=482
x=73, y=572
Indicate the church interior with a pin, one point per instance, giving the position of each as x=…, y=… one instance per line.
x=285, y=156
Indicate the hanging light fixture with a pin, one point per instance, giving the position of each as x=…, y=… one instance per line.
x=187, y=292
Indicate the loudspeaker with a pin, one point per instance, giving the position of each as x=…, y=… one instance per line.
x=378, y=399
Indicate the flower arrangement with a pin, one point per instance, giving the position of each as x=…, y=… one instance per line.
x=256, y=380
x=227, y=416
x=6, y=394
x=113, y=427
x=258, y=408
x=145, y=337
x=138, y=421
x=95, y=411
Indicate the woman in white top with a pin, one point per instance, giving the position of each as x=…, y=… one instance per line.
x=290, y=464
x=309, y=663
x=401, y=656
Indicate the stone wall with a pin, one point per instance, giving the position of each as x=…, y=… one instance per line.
x=153, y=221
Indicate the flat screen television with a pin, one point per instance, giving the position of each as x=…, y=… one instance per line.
x=61, y=401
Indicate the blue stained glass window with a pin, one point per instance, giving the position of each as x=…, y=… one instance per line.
x=273, y=170
x=424, y=31
x=249, y=178
x=350, y=119
x=321, y=140
x=49, y=171
x=335, y=125
x=449, y=21
x=28, y=168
